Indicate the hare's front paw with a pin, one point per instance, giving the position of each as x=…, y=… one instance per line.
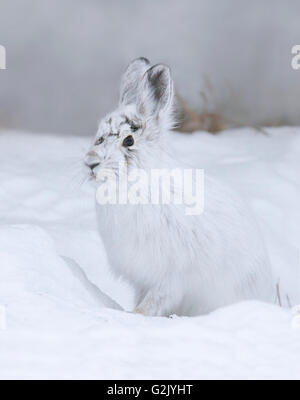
x=147, y=307
x=140, y=310
x=153, y=304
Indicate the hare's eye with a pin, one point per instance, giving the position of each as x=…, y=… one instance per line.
x=99, y=141
x=128, y=141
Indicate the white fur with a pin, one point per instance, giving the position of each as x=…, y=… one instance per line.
x=178, y=264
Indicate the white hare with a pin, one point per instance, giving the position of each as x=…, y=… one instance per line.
x=177, y=264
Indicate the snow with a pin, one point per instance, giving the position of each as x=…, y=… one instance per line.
x=59, y=325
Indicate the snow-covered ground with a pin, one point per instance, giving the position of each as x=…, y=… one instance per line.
x=57, y=326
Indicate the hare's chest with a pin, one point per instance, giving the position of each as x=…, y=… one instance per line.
x=136, y=240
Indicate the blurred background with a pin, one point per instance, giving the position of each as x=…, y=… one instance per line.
x=231, y=60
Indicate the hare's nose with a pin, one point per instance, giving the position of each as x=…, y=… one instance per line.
x=92, y=166
x=92, y=160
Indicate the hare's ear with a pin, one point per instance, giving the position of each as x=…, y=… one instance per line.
x=131, y=79
x=155, y=93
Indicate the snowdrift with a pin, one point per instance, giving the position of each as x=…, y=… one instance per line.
x=64, y=309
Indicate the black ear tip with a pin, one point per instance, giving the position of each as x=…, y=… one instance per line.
x=144, y=59
x=141, y=60
x=160, y=69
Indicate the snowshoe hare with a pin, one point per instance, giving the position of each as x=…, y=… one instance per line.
x=178, y=264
